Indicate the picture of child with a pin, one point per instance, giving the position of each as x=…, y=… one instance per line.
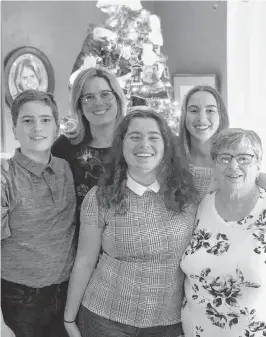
x=27, y=72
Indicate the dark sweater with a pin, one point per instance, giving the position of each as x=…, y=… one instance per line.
x=87, y=163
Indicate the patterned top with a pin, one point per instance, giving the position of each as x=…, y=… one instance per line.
x=225, y=267
x=138, y=280
x=38, y=222
x=87, y=163
x=202, y=178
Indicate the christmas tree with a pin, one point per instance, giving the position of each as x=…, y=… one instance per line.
x=128, y=43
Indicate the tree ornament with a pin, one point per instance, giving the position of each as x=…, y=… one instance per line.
x=166, y=73
x=88, y=62
x=67, y=124
x=123, y=80
x=126, y=52
x=159, y=70
x=107, y=62
x=148, y=56
x=155, y=35
x=107, y=6
x=136, y=75
x=104, y=5
x=129, y=44
x=148, y=74
x=132, y=35
x=100, y=33
x=113, y=23
x=144, y=14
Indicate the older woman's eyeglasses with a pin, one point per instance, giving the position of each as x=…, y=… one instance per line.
x=242, y=159
x=105, y=95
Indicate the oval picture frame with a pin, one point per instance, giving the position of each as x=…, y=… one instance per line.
x=27, y=68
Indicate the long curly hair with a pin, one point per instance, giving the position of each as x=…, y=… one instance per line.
x=175, y=180
x=184, y=135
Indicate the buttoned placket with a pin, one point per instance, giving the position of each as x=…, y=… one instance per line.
x=50, y=179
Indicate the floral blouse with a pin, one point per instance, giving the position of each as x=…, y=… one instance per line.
x=225, y=267
x=87, y=163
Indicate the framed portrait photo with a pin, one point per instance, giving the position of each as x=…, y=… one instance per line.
x=182, y=83
x=27, y=68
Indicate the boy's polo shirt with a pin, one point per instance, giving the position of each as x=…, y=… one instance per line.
x=38, y=221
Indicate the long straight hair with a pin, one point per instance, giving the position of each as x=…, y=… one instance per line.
x=77, y=135
x=26, y=63
x=184, y=135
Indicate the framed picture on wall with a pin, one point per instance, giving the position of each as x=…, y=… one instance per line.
x=27, y=68
x=182, y=83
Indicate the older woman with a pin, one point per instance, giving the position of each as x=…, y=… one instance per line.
x=225, y=262
x=143, y=221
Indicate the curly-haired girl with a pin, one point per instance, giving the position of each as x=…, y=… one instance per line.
x=141, y=215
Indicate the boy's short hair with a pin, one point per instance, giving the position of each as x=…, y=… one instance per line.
x=30, y=96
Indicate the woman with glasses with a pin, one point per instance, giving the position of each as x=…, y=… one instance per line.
x=225, y=262
x=98, y=104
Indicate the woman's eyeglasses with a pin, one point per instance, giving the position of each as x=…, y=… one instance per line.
x=105, y=95
x=242, y=159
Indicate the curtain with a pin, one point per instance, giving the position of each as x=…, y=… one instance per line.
x=246, y=67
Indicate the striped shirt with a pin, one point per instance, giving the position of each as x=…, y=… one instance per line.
x=138, y=280
x=38, y=222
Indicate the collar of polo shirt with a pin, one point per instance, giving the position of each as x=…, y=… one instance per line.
x=140, y=189
x=37, y=168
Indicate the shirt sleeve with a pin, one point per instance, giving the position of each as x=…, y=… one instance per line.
x=62, y=148
x=91, y=213
x=69, y=175
x=5, y=229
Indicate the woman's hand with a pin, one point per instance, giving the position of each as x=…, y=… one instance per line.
x=72, y=329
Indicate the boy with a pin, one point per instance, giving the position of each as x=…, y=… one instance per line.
x=38, y=223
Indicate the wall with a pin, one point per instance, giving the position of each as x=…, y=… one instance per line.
x=194, y=37
x=58, y=29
